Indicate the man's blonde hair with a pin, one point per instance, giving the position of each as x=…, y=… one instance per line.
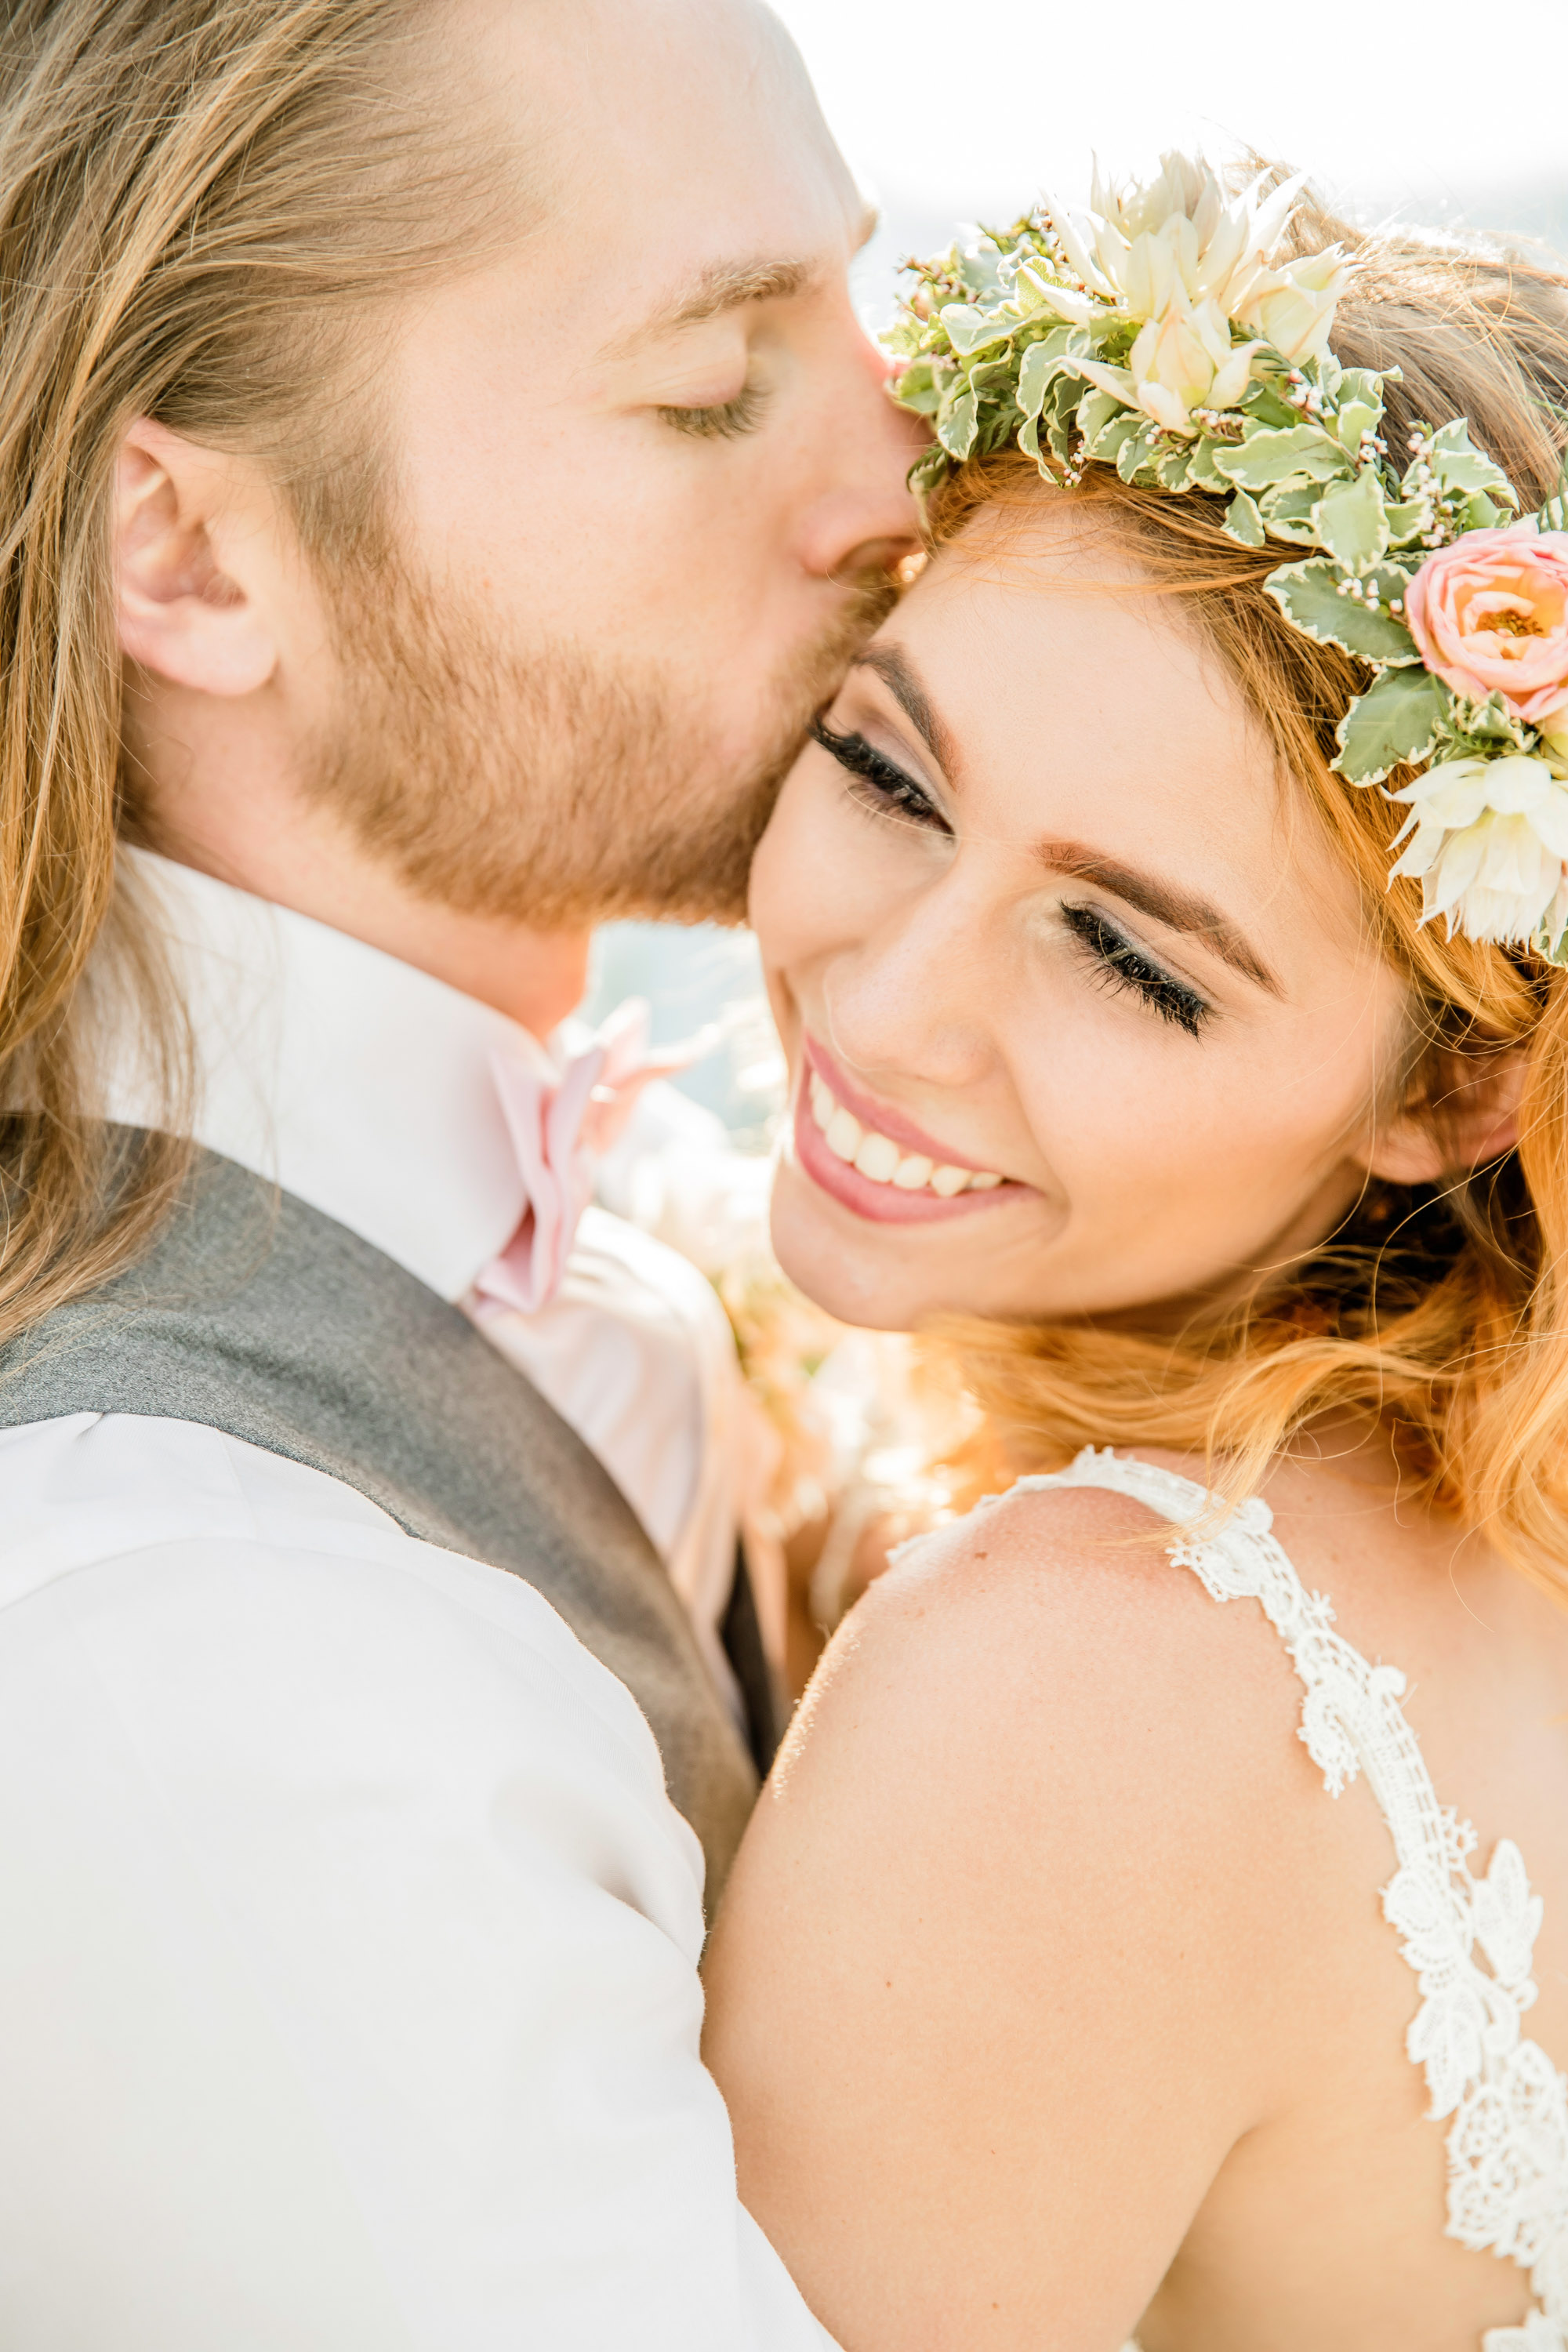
x=202, y=202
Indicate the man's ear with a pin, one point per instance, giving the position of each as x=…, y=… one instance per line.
x=1474, y=1119
x=185, y=606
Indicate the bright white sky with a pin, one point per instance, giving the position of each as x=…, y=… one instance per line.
x=965, y=108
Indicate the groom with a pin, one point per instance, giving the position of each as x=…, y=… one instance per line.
x=455, y=411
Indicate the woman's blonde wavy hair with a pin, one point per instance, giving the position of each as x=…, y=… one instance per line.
x=204, y=205
x=1442, y=1310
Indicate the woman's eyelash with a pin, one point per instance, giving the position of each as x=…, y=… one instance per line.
x=1120, y=963
x=741, y=414
x=1122, y=966
x=884, y=786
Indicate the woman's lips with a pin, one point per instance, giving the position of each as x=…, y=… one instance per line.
x=887, y=1201
x=881, y=1117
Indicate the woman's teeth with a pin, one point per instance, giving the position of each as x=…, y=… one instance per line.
x=878, y=1158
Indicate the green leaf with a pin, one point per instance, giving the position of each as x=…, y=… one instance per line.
x=1304, y=453
x=997, y=427
x=1553, y=515
x=1480, y=514
x=1058, y=432
x=1351, y=525
x=1202, y=475
x=1308, y=596
x=1551, y=948
x=929, y=469
x=1119, y=427
x=1395, y=719
x=969, y=329
x=1033, y=378
x=1361, y=387
x=1356, y=418
x=1175, y=468
x=1406, y=523
x=1134, y=451
x=1096, y=410
x=1287, y=510
x=957, y=427
x=918, y=389
x=1263, y=404
x=1493, y=722
x=992, y=385
x=1243, y=521
x=1393, y=577
x=1042, y=363
x=1055, y=423
x=1459, y=467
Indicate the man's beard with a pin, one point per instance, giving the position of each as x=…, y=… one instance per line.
x=552, y=789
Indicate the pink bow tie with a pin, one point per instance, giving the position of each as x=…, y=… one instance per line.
x=558, y=1129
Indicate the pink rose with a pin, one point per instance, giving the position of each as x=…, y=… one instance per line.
x=1490, y=617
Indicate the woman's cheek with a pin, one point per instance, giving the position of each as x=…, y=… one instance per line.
x=816, y=879
x=782, y=902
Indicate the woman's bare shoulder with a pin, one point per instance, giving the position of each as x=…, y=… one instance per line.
x=1038, y=1687
x=1055, y=1612
x=1022, y=1855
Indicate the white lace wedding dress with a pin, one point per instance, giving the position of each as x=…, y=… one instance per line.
x=1468, y=1939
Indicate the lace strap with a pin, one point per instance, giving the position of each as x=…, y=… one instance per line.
x=1507, y=2148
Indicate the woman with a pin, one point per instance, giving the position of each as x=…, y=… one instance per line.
x=1054, y=1997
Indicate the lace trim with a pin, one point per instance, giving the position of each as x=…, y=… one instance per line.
x=1508, y=2146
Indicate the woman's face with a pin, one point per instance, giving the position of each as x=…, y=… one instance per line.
x=1080, y=1008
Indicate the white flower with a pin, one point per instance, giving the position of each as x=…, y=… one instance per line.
x=1183, y=359
x=1490, y=842
x=1293, y=308
x=1183, y=224
x=1186, y=259
x=1183, y=228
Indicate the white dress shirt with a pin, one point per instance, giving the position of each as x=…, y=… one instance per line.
x=364, y=1087
x=348, y=1941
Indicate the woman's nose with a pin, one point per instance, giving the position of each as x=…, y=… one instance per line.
x=901, y=1010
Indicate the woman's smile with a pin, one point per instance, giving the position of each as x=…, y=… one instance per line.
x=876, y=1160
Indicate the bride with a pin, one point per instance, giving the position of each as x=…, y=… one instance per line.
x=1167, y=928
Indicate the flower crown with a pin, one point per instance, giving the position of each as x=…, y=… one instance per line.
x=1161, y=337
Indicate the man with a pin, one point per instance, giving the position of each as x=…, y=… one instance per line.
x=453, y=411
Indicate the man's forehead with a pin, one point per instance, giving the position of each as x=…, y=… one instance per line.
x=683, y=164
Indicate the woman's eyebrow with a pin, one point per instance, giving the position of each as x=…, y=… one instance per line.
x=1180, y=910
x=897, y=675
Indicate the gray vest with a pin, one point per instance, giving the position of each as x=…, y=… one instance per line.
x=260, y=1317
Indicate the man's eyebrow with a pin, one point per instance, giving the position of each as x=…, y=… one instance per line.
x=897, y=674
x=722, y=286
x=1182, y=911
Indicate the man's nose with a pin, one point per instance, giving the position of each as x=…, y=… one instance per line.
x=867, y=520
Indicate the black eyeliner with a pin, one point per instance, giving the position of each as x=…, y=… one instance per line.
x=1123, y=966
x=894, y=787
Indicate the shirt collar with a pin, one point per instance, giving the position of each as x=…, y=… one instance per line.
x=358, y=1084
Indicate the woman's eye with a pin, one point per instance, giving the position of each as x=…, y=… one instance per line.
x=741, y=414
x=878, y=783
x=1121, y=965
